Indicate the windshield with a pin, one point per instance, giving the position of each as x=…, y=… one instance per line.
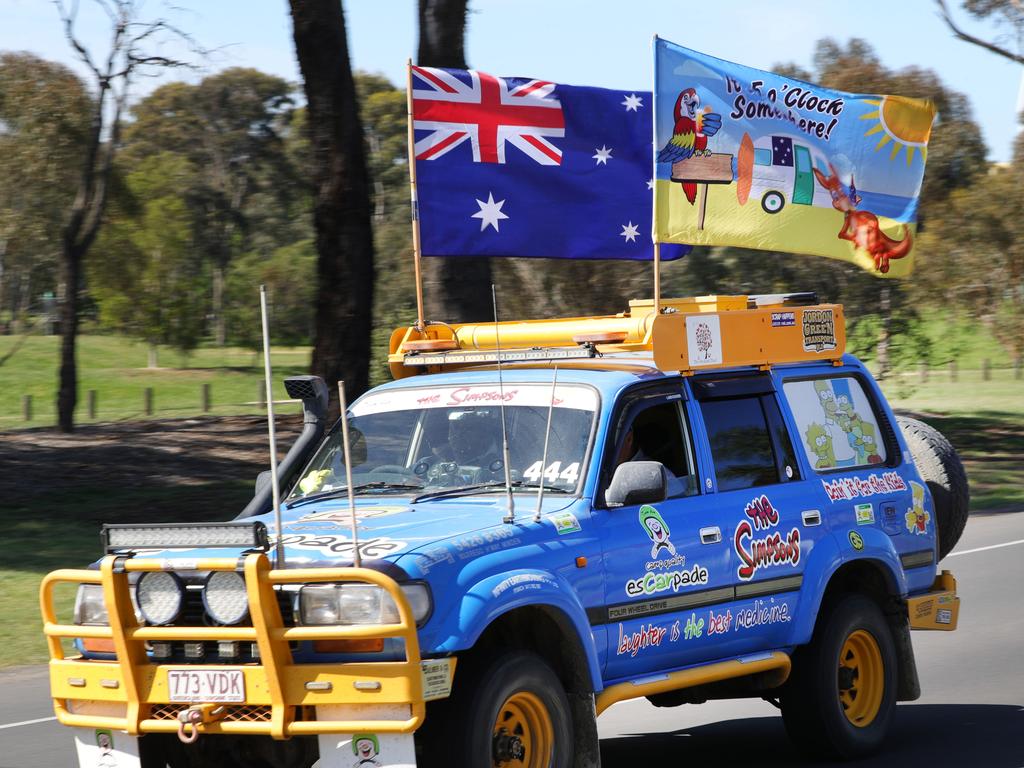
x=434, y=438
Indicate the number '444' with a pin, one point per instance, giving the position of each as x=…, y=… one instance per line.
x=553, y=473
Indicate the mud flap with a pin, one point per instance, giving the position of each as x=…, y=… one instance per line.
x=105, y=748
x=365, y=750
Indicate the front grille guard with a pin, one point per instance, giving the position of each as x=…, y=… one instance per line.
x=275, y=684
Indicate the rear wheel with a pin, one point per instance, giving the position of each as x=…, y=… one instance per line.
x=841, y=696
x=940, y=467
x=511, y=712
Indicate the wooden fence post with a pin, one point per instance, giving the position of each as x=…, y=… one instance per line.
x=206, y=398
x=986, y=370
x=952, y=370
x=26, y=407
x=924, y=372
x=148, y=401
x=261, y=395
x=90, y=399
x=1018, y=368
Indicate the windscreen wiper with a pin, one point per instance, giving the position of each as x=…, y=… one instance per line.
x=476, y=487
x=343, y=491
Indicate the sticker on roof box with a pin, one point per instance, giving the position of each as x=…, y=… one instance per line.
x=783, y=319
x=819, y=327
x=530, y=395
x=703, y=340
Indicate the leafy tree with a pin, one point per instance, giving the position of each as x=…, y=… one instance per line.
x=341, y=207
x=230, y=127
x=131, y=53
x=290, y=276
x=146, y=275
x=44, y=114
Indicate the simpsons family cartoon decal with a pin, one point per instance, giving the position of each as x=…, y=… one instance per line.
x=845, y=438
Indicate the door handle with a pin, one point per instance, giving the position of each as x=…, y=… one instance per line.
x=811, y=517
x=711, y=535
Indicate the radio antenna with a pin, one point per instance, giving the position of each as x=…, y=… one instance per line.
x=511, y=514
x=268, y=381
x=356, y=559
x=544, y=455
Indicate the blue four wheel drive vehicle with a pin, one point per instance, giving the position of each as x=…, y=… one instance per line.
x=707, y=499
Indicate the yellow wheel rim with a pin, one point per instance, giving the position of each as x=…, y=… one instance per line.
x=861, y=678
x=523, y=733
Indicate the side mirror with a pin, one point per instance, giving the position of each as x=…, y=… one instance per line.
x=637, y=482
x=262, y=480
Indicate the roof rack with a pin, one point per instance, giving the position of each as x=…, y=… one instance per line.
x=687, y=335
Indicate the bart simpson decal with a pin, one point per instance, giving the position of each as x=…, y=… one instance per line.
x=820, y=442
x=366, y=748
x=917, y=517
x=658, y=531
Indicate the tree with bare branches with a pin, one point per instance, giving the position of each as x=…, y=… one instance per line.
x=1008, y=14
x=134, y=50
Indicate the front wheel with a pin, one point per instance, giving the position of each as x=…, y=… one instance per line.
x=511, y=712
x=840, y=699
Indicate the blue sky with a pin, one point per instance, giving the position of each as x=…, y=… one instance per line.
x=583, y=42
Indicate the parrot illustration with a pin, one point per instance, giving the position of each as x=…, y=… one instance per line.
x=690, y=136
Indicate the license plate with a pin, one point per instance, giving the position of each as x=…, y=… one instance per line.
x=200, y=686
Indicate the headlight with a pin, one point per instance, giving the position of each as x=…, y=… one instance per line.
x=225, y=597
x=160, y=596
x=89, y=606
x=359, y=604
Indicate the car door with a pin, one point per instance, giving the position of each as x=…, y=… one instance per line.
x=763, y=501
x=657, y=566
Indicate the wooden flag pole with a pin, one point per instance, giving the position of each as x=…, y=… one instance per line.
x=657, y=277
x=414, y=197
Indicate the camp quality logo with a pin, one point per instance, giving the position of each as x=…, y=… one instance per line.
x=819, y=327
x=653, y=582
x=769, y=550
x=657, y=530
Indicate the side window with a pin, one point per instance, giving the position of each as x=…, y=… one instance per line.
x=838, y=427
x=749, y=443
x=659, y=433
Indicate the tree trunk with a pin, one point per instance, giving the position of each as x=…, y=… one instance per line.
x=341, y=210
x=67, y=394
x=456, y=289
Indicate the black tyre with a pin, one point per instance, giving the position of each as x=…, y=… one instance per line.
x=511, y=711
x=942, y=471
x=841, y=695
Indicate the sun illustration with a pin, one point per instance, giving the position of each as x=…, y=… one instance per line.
x=907, y=122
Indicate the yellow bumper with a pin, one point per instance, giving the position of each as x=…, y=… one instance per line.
x=132, y=693
x=939, y=608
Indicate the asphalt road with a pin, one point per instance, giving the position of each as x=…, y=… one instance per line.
x=971, y=712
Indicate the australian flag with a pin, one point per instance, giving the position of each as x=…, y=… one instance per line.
x=509, y=166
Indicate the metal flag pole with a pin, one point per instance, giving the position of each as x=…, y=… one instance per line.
x=544, y=455
x=414, y=198
x=511, y=515
x=268, y=381
x=343, y=407
x=654, y=179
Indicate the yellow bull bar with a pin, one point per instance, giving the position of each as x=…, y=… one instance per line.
x=275, y=683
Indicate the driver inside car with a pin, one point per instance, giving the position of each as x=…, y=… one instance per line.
x=471, y=453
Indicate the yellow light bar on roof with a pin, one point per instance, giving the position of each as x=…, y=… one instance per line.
x=687, y=335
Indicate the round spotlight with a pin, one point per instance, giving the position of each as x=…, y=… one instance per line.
x=225, y=597
x=160, y=596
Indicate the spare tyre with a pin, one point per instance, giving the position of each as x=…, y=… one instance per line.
x=944, y=474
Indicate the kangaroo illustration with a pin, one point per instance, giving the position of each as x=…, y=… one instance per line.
x=861, y=227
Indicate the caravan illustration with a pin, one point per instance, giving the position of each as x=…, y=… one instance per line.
x=782, y=173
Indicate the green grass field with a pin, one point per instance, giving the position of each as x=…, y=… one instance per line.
x=115, y=368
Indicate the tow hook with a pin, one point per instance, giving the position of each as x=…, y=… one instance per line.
x=194, y=716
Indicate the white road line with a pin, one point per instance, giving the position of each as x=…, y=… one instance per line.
x=985, y=549
x=27, y=722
